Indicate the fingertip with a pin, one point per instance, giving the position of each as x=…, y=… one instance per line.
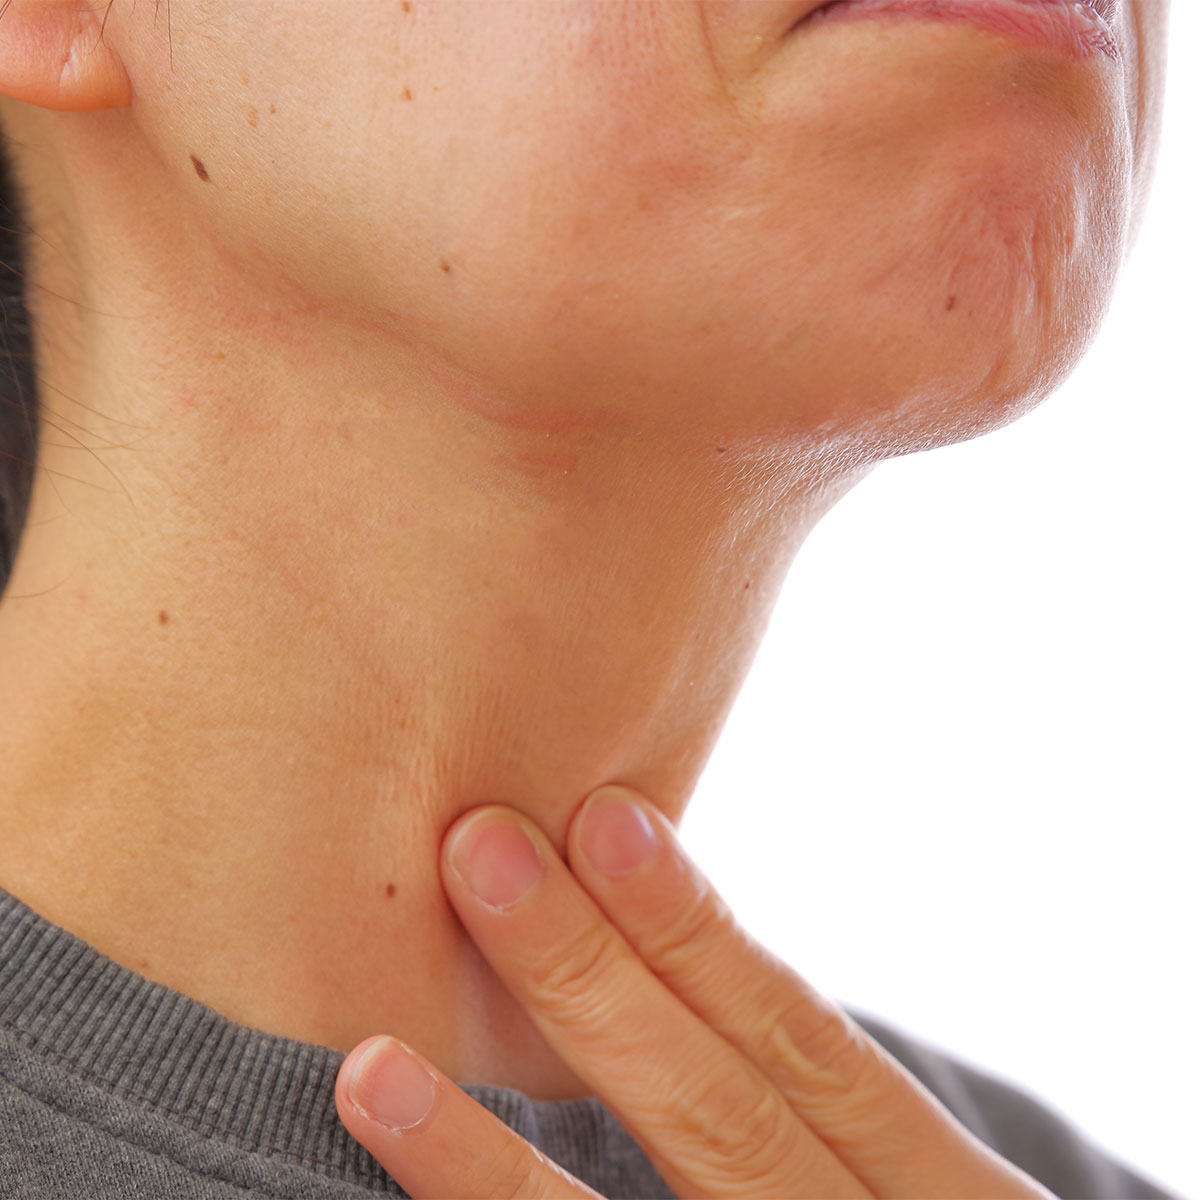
x=350, y=1066
x=455, y=830
x=388, y=1084
x=614, y=793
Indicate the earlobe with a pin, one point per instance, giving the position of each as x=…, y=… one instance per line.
x=52, y=54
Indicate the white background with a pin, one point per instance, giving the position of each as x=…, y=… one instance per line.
x=959, y=787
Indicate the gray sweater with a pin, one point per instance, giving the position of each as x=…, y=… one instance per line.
x=113, y=1087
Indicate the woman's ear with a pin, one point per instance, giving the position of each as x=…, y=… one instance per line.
x=53, y=54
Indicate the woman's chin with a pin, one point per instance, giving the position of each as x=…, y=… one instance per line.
x=943, y=240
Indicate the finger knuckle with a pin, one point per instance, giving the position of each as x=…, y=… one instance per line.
x=819, y=1056
x=738, y=1126
x=520, y=1172
x=672, y=948
x=569, y=978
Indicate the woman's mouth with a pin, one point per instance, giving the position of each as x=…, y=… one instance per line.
x=1079, y=28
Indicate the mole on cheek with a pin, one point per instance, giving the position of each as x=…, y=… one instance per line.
x=391, y=890
x=200, y=168
x=162, y=617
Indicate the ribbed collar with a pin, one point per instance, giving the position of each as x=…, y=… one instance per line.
x=62, y=998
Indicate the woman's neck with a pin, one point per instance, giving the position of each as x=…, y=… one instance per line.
x=264, y=643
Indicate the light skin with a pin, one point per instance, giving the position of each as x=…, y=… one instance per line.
x=436, y=396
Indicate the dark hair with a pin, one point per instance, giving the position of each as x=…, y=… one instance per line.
x=18, y=384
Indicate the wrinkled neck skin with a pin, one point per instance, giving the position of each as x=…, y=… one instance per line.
x=295, y=593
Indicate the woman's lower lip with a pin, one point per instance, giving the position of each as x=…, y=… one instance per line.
x=1079, y=28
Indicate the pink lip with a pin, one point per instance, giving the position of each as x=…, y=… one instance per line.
x=1078, y=28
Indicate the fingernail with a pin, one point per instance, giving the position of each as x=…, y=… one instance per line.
x=496, y=860
x=391, y=1087
x=617, y=836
